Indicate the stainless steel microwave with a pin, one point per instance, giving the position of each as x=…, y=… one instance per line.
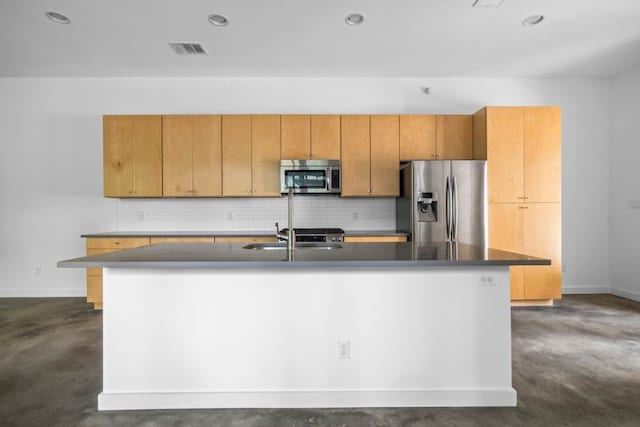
x=310, y=176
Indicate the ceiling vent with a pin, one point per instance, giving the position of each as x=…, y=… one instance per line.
x=188, y=48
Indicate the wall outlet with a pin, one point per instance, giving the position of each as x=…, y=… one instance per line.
x=487, y=281
x=141, y=216
x=344, y=349
x=634, y=204
x=355, y=215
x=38, y=271
x=230, y=216
x=564, y=268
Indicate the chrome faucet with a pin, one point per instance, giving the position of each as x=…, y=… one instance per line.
x=290, y=237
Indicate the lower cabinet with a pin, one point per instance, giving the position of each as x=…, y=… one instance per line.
x=155, y=240
x=101, y=245
x=246, y=239
x=375, y=239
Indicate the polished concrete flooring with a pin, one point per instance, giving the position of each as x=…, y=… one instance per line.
x=576, y=364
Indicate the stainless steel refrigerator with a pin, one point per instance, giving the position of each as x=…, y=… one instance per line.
x=443, y=200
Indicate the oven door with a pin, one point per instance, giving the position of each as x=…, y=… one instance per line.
x=305, y=180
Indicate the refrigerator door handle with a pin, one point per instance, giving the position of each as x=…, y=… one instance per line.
x=447, y=207
x=454, y=197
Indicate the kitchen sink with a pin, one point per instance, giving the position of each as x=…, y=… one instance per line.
x=299, y=245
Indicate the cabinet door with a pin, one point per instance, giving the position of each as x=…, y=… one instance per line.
x=147, y=156
x=207, y=156
x=454, y=137
x=325, y=137
x=542, y=237
x=417, y=137
x=385, y=161
x=236, y=155
x=355, y=156
x=506, y=232
x=505, y=154
x=265, y=154
x=117, y=156
x=177, y=154
x=296, y=137
x=542, y=154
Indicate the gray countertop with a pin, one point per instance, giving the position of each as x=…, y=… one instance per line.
x=210, y=233
x=224, y=255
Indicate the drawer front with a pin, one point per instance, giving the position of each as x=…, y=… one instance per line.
x=375, y=239
x=182, y=240
x=116, y=242
x=246, y=239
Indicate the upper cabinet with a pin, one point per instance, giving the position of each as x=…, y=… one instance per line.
x=236, y=152
x=192, y=156
x=132, y=156
x=296, y=137
x=325, y=137
x=523, y=149
x=431, y=137
x=265, y=156
x=370, y=156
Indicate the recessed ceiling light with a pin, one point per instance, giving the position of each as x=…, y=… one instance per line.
x=218, y=20
x=354, y=19
x=57, y=17
x=532, y=20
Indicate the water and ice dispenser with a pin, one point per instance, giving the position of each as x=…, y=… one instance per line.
x=427, y=209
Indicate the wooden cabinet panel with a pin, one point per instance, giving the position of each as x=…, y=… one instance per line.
x=246, y=239
x=147, y=156
x=543, y=239
x=417, y=137
x=375, y=239
x=207, y=156
x=236, y=152
x=505, y=154
x=265, y=155
x=192, y=156
x=355, y=156
x=94, y=289
x=542, y=154
x=116, y=242
x=132, y=156
x=385, y=174
x=506, y=232
x=177, y=154
x=325, y=137
x=454, y=137
x=296, y=137
x=155, y=240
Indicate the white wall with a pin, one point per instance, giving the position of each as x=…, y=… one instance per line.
x=51, y=158
x=625, y=185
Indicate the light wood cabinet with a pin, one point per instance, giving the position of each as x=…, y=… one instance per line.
x=296, y=137
x=155, y=240
x=417, y=137
x=355, y=156
x=236, y=152
x=265, y=156
x=523, y=150
x=454, y=137
x=370, y=156
x=97, y=246
x=246, y=239
x=522, y=146
x=132, y=156
x=431, y=137
x=385, y=160
x=325, y=136
x=192, y=156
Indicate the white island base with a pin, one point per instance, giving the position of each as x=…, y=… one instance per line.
x=274, y=337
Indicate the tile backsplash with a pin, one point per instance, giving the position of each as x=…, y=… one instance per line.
x=259, y=214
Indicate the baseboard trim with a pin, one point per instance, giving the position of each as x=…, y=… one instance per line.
x=43, y=293
x=532, y=303
x=309, y=399
x=626, y=294
x=586, y=290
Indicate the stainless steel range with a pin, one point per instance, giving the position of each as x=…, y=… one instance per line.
x=317, y=234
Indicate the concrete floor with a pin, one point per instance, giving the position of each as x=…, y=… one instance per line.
x=576, y=364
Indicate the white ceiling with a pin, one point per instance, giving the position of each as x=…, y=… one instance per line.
x=273, y=38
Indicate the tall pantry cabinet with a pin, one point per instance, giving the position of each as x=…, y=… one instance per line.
x=523, y=148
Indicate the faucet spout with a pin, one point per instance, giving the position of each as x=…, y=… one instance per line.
x=291, y=235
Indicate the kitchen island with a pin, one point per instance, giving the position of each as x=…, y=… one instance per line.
x=196, y=325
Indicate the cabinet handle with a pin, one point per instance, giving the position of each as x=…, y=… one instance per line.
x=433, y=156
x=523, y=207
x=526, y=198
x=373, y=191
